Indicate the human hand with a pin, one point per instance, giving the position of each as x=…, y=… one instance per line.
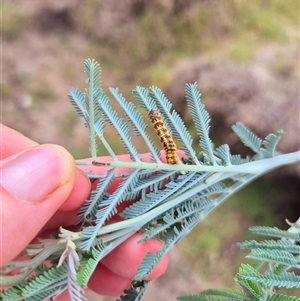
x=41, y=189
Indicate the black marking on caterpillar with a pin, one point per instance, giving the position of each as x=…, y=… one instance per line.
x=164, y=136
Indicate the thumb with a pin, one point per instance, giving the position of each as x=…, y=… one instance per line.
x=34, y=184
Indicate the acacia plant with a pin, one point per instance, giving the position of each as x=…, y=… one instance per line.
x=170, y=199
x=275, y=264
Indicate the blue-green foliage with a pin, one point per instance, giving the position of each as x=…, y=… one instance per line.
x=87, y=104
x=170, y=199
x=272, y=269
x=201, y=120
x=39, y=287
x=263, y=148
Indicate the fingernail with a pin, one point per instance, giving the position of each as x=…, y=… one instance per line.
x=35, y=174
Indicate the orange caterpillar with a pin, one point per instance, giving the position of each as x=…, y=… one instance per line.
x=165, y=138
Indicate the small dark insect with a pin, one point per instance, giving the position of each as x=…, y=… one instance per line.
x=134, y=290
x=165, y=138
x=187, y=161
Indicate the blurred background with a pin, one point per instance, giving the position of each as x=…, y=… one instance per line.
x=244, y=55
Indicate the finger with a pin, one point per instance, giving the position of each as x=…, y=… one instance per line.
x=107, y=283
x=33, y=186
x=67, y=214
x=13, y=142
x=135, y=253
x=118, y=268
x=60, y=219
x=80, y=192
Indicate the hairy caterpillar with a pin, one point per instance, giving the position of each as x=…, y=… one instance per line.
x=165, y=138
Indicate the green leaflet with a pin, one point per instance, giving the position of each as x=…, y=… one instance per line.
x=89, y=263
x=260, y=280
x=217, y=295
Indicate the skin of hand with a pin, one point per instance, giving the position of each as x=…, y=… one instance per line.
x=41, y=189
